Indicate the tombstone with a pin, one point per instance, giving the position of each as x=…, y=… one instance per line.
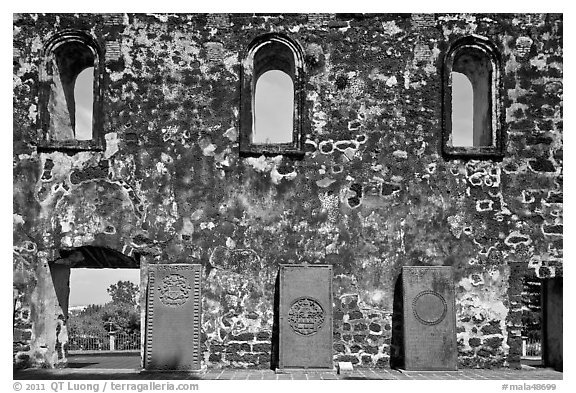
x=305, y=318
x=429, y=318
x=173, y=318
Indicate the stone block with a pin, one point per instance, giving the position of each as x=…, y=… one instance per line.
x=305, y=314
x=345, y=367
x=429, y=318
x=173, y=320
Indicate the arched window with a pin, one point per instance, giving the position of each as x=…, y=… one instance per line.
x=471, y=115
x=272, y=96
x=70, y=113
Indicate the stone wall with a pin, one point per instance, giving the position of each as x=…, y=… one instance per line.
x=371, y=194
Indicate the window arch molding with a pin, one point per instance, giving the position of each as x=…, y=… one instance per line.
x=489, y=123
x=75, y=50
x=269, y=52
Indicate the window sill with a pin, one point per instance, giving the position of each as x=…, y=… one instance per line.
x=71, y=145
x=462, y=152
x=251, y=150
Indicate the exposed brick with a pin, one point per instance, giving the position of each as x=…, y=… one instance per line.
x=371, y=349
x=474, y=342
x=261, y=347
x=262, y=336
x=243, y=337
x=355, y=315
x=382, y=363
x=348, y=358
x=493, y=342
x=359, y=338
x=214, y=357
x=542, y=165
x=492, y=328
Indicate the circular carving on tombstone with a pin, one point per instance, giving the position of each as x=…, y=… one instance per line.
x=306, y=316
x=429, y=307
x=174, y=290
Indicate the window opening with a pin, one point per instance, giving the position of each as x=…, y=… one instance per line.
x=273, y=108
x=84, y=99
x=462, y=110
x=471, y=99
x=71, y=92
x=272, y=97
x=476, y=68
x=71, y=61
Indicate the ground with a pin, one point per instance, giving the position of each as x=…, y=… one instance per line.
x=114, y=367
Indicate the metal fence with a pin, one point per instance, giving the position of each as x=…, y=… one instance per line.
x=104, y=342
x=531, y=347
x=127, y=342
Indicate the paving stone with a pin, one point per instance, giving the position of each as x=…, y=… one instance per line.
x=100, y=368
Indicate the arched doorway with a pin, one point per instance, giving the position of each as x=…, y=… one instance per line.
x=97, y=334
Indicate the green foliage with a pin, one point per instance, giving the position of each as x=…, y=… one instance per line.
x=121, y=314
x=123, y=292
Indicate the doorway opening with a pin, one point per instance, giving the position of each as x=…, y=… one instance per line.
x=542, y=322
x=98, y=290
x=532, y=321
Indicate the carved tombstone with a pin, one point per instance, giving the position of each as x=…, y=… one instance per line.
x=173, y=318
x=305, y=334
x=429, y=318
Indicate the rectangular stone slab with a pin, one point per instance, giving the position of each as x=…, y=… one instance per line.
x=173, y=318
x=305, y=318
x=429, y=318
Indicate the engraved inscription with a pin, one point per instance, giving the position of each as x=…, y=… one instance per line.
x=306, y=316
x=523, y=45
x=429, y=307
x=174, y=290
x=113, y=50
x=421, y=21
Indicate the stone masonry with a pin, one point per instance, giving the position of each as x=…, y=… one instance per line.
x=371, y=193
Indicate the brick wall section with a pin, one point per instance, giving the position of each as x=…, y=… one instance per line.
x=371, y=194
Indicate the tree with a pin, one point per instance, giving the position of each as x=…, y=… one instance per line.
x=123, y=292
x=122, y=314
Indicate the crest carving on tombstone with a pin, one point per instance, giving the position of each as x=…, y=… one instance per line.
x=174, y=290
x=429, y=307
x=306, y=316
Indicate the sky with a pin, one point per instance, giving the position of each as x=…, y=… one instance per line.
x=88, y=286
x=274, y=107
x=462, y=110
x=84, y=101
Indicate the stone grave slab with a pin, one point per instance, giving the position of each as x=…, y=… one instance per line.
x=305, y=320
x=429, y=318
x=173, y=318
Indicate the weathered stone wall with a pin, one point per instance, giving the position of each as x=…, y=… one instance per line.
x=371, y=194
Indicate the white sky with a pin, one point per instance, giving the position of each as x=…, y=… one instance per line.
x=88, y=286
x=84, y=101
x=274, y=106
x=462, y=110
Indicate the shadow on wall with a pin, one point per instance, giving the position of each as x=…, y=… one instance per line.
x=397, y=341
x=274, y=353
